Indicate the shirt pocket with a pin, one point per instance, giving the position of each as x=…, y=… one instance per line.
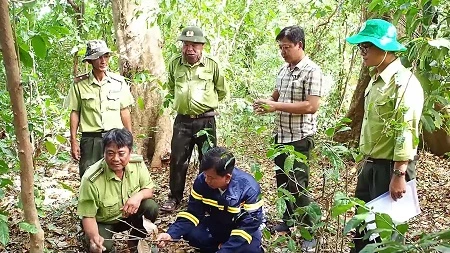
x=205, y=79
x=385, y=107
x=113, y=101
x=88, y=100
x=110, y=208
x=180, y=78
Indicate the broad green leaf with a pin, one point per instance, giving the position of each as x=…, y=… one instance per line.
x=286, y=194
x=4, y=233
x=39, y=47
x=25, y=58
x=266, y=234
x=442, y=248
x=50, y=146
x=305, y=234
x=258, y=175
x=402, y=228
x=340, y=209
x=277, y=31
x=373, y=4
x=330, y=131
x=3, y=218
x=27, y=227
x=289, y=163
x=58, y=30
x=354, y=222
x=292, y=245
x=4, y=168
x=384, y=221
x=60, y=139
x=370, y=248
x=281, y=205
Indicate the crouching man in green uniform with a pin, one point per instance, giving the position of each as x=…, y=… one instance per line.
x=115, y=189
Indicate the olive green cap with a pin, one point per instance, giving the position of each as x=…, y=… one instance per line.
x=192, y=34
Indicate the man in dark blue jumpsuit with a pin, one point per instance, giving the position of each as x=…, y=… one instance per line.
x=224, y=212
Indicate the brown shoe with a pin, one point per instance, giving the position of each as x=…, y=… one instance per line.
x=169, y=206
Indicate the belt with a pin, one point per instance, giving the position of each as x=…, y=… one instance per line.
x=207, y=114
x=93, y=134
x=378, y=161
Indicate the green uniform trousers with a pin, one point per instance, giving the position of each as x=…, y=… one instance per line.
x=298, y=180
x=148, y=209
x=373, y=180
x=91, y=150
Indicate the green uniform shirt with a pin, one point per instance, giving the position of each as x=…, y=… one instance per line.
x=102, y=193
x=392, y=110
x=99, y=103
x=197, y=88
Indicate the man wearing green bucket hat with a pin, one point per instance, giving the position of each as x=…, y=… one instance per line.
x=197, y=84
x=393, y=104
x=98, y=101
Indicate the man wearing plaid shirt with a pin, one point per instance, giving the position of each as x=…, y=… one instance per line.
x=296, y=99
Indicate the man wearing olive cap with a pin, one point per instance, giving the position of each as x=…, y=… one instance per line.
x=197, y=85
x=98, y=101
x=390, y=128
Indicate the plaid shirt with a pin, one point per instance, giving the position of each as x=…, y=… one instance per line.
x=294, y=86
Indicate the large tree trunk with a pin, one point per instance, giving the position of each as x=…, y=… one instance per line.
x=139, y=43
x=20, y=127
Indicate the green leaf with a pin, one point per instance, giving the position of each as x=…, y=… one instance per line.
x=4, y=233
x=4, y=168
x=50, y=146
x=305, y=234
x=286, y=194
x=354, y=222
x=58, y=30
x=402, y=228
x=39, y=47
x=384, y=221
x=25, y=57
x=66, y=187
x=3, y=218
x=277, y=31
x=340, y=209
x=291, y=245
x=60, y=139
x=27, y=227
x=330, y=131
x=373, y=4
x=289, y=163
x=2, y=193
x=281, y=205
x=442, y=248
x=370, y=248
x=140, y=102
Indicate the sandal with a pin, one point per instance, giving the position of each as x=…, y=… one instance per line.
x=169, y=206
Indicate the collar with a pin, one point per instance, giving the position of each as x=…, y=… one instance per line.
x=200, y=62
x=110, y=175
x=303, y=62
x=390, y=71
x=93, y=80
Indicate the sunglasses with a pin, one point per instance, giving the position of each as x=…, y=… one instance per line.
x=364, y=48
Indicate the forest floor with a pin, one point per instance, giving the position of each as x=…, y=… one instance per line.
x=59, y=186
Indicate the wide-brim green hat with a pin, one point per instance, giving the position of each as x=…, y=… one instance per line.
x=380, y=33
x=95, y=49
x=192, y=34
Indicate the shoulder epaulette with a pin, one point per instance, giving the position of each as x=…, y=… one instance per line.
x=211, y=58
x=176, y=58
x=135, y=158
x=97, y=173
x=80, y=78
x=116, y=77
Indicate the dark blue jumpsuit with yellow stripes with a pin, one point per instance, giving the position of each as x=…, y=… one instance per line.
x=224, y=223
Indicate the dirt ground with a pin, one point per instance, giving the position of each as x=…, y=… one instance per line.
x=59, y=186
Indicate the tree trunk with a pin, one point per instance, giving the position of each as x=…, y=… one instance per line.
x=139, y=45
x=20, y=127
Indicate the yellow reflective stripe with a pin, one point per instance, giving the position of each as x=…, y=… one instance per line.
x=233, y=209
x=253, y=207
x=188, y=216
x=196, y=195
x=243, y=234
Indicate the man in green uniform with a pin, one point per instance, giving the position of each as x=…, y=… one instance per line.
x=197, y=85
x=115, y=191
x=98, y=101
x=393, y=107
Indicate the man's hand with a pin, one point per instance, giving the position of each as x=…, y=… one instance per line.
x=132, y=205
x=75, y=149
x=262, y=106
x=162, y=239
x=397, y=187
x=96, y=244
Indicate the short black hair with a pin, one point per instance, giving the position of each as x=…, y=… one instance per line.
x=219, y=159
x=120, y=137
x=294, y=34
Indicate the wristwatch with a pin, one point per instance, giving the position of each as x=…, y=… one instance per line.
x=399, y=173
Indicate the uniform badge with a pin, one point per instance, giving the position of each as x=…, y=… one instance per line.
x=189, y=33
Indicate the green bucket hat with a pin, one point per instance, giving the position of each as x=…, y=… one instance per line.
x=192, y=34
x=95, y=49
x=380, y=33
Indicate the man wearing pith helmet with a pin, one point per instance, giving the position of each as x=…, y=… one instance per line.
x=197, y=84
x=98, y=101
x=393, y=104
